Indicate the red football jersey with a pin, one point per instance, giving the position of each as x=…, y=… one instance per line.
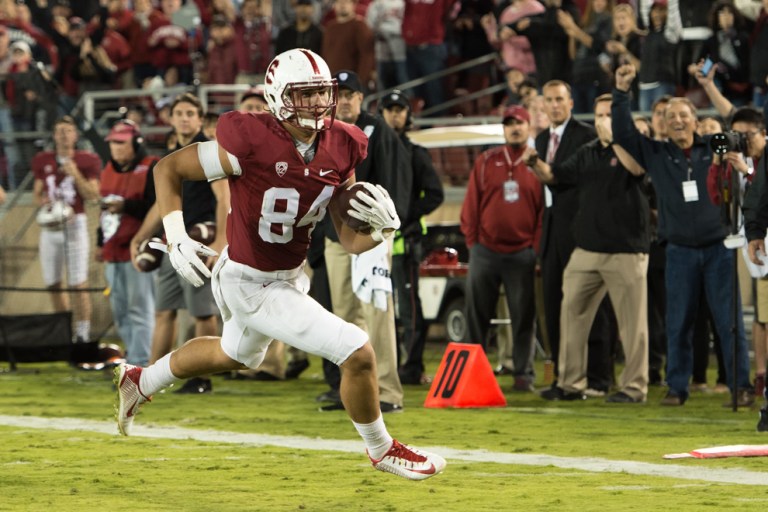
x=278, y=199
x=59, y=186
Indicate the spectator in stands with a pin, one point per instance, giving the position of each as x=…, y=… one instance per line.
x=549, y=41
x=253, y=42
x=515, y=49
x=657, y=58
x=9, y=144
x=284, y=13
x=253, y=100
x=31, y=95
x=539, y=119
x=223, y=8
x=658, y=122
x=501, y=222
x=85, y=64
x=587, y=41
x=387, y=164
x=625, y=45
x=127, y=193
x=728, y=48
x=758, y=64
x=210, y=120
x=170, y=45
x=426, y=196
x=611, y=255
x=202, y=202
x=425, y=51
x=710, y=125
x=351, y=47
x=643, y=125
x=468, y=41
x=222, y=61
x=68, y=176
x=16, y=18
x=146, y=19
x=385, y=17
x=303, y=32
x=694, y=231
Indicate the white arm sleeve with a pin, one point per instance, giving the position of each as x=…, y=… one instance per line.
x=208, y=153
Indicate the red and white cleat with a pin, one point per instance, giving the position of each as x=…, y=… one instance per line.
x=129, y=397
x=402, y=460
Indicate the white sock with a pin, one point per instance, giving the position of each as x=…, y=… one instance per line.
x=83, y=329
x=156, y=376
x=376, y=438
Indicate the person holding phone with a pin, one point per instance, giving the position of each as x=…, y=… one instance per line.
x=728, y=49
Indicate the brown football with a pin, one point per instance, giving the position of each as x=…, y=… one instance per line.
x=203, y=232
x=345, y=196
x=149, y=259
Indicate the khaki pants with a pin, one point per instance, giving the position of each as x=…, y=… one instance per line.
x=380, y=325
x=587, y=277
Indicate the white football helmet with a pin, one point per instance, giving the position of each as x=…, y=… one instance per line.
x=299, y=89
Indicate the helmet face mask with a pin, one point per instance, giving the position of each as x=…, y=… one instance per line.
x=299, y=90
x=308, y=104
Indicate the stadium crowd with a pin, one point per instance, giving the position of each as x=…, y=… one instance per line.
x=558, y=58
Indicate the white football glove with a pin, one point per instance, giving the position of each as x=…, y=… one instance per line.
x=183, y=251
x=377, y=211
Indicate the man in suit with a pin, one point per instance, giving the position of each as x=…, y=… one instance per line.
x=554, y=145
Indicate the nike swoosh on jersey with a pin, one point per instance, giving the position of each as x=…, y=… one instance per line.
x=323, y=173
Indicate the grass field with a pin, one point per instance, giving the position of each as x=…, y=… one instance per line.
x=221, y=452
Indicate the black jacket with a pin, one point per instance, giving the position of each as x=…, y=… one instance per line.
x=613, y=214
x=690, y=224
x=427, y=192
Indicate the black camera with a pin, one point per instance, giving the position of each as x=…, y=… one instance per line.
x=722, y=143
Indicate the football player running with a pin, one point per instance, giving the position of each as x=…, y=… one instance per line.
x=284, y=169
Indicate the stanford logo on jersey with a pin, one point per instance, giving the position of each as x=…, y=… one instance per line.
x=281, y=168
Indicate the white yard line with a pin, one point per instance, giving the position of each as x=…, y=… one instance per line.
x=592, y=464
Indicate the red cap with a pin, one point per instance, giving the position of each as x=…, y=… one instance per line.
x=515, y=112
x=660, y=3
x=123, y=131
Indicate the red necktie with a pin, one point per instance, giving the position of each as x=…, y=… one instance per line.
x=554, y=142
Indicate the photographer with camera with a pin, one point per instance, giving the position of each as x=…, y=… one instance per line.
x=747, y=141
x=694, y=231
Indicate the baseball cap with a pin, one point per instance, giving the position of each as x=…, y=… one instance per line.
x=254, y=92
x=123, y=131
x=395, y=98
x=515, y=112
x=21, y=46
x=660, y=3
x=348, y=80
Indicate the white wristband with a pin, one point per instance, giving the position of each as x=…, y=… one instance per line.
x=174, y=227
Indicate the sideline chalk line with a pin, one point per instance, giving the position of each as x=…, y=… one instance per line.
x=591, y=464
